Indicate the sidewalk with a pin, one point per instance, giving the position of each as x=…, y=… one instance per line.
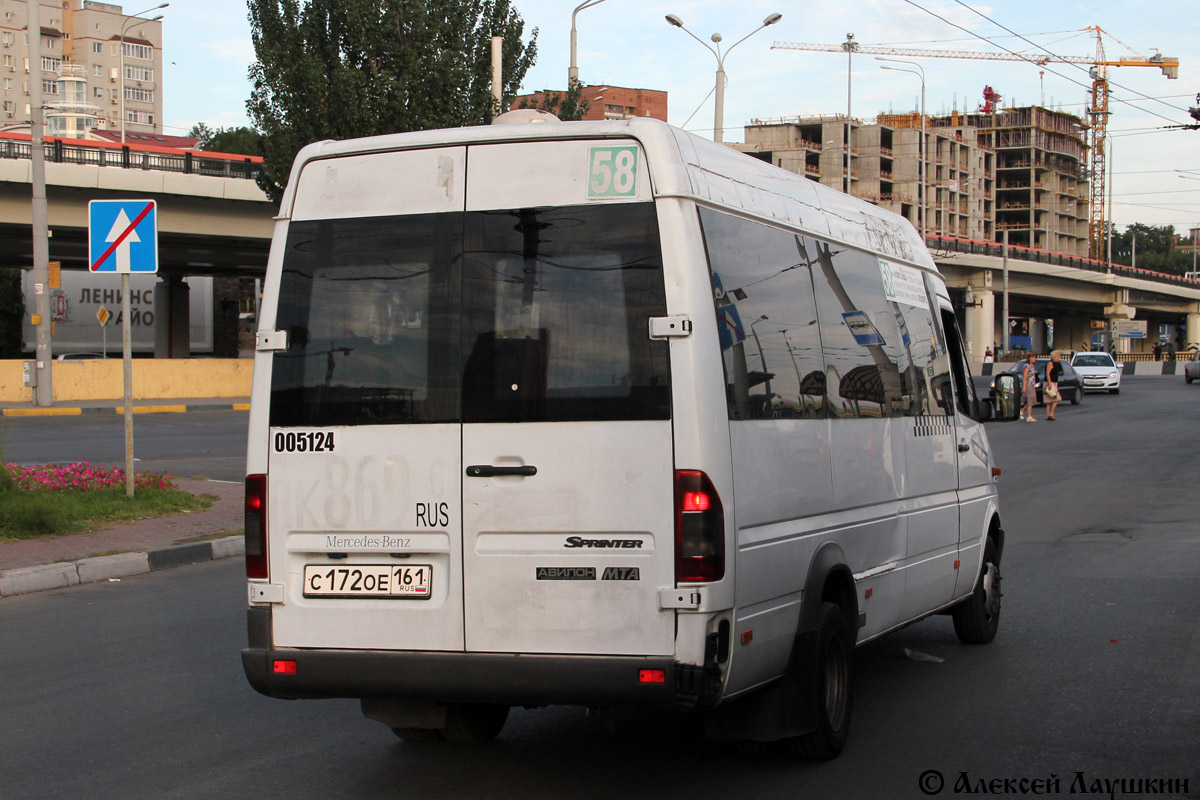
x=130, y=548
x=173, y=405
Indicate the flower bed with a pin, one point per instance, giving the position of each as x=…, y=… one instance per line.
x=83, y=477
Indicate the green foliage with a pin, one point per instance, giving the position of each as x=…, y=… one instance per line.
x=567, y=105
x=1154, y=248
x=12, y=312
x=29, y=514
x=337, y=69
x=243, y=141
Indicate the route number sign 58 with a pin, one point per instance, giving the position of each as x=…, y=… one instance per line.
x=612, y=172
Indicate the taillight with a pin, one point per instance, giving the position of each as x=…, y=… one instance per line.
x=256, y=526
x=699, y=529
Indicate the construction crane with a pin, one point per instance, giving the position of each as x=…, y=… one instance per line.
x=1098, y=112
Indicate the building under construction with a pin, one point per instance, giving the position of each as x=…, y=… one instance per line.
x=1019, y=170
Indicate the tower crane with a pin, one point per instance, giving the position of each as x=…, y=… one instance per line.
x=1098, y=111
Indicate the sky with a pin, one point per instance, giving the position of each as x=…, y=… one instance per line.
x=207, y=52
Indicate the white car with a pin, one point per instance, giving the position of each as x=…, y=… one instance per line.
x=1098, y=371
x=1191, y=368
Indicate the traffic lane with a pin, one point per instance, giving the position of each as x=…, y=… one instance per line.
x=208, y=443
x=137, y=690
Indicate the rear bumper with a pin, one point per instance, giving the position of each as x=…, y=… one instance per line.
x=471, y=677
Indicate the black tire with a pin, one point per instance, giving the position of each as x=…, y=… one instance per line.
x=977, y=619
x=418, y=734
x=1077, y=398
x=1187, y=378
x=474, y=723
x=829, y=684
x=1115, y=391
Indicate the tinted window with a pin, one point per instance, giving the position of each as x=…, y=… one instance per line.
x=370, y=309
x=767, y=319
x=558, y=302
x=864, y=349
x=516, y=316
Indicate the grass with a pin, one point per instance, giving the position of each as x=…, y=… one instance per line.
x=50, y=501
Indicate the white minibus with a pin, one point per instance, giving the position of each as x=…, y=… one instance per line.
x=603, y=414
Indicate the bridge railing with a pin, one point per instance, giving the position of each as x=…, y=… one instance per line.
x=985, y=248
x=135, y=156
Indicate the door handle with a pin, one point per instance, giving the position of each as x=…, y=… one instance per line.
x=962, y=448
x=489, y=471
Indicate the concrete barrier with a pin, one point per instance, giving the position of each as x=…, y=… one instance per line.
x=153, y=379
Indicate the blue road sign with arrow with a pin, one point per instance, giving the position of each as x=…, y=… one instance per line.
x=123, y=236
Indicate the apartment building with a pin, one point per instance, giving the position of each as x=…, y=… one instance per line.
x=606, y=102
x=955, y=196
x=81, y=67
x=1041, y=174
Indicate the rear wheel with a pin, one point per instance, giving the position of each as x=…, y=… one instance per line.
x=828, y=683
x=1077, y=398
x=474, y=723
x=977, y=619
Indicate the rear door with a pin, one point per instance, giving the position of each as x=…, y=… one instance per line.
x=567, y=440
x=365, y=474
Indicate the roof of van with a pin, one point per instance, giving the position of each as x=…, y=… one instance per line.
x=681, y=164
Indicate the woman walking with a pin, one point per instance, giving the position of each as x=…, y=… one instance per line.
x=1052, y=395
x=1029, y=383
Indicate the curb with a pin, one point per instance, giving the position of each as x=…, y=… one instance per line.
x=102, y=568
x=61, y=411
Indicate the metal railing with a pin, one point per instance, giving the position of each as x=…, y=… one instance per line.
x=978, y=247
x=161, y=159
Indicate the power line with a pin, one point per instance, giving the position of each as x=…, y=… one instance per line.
x=1024, y=57
x=1047, y=50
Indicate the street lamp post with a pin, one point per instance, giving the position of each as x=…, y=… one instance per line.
x=719, y=103
x=573, y=69
x=124, y=29
x=921, y=166
x=762, y=360
x=849, y=46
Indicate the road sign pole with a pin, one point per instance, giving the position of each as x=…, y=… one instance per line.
x=44, y=393
x=127, y=353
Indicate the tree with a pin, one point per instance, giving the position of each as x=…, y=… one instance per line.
x=337, y=69
x=567, y=105
x=242, y=140
x=1155, y=248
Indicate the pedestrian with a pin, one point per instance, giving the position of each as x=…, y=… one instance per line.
x=1050, y=392
x=1029, y=384
x=1158, y=351
x=988, y=357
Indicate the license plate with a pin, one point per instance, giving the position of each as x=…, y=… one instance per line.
x=388, y=581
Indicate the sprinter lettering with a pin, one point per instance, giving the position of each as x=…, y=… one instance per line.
x=579, y=541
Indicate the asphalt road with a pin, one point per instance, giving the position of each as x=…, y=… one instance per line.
x=208, y=443
x=134, y=689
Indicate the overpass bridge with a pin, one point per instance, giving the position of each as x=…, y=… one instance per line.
x=214, y=220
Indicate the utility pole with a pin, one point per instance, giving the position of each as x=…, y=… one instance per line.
x=849, y=46
x=1004, y=261
x=44, y=394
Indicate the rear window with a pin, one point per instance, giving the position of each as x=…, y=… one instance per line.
x=521, y=315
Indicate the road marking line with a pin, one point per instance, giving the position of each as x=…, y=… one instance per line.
x=42, y=412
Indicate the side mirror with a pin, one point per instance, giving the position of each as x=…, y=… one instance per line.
x=1004, y=398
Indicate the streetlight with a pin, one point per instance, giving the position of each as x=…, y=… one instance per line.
x=573, y=69
x=921, y=168
x=719, y=110
x=124, y=29
x=766, y=375
x=849, y=46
